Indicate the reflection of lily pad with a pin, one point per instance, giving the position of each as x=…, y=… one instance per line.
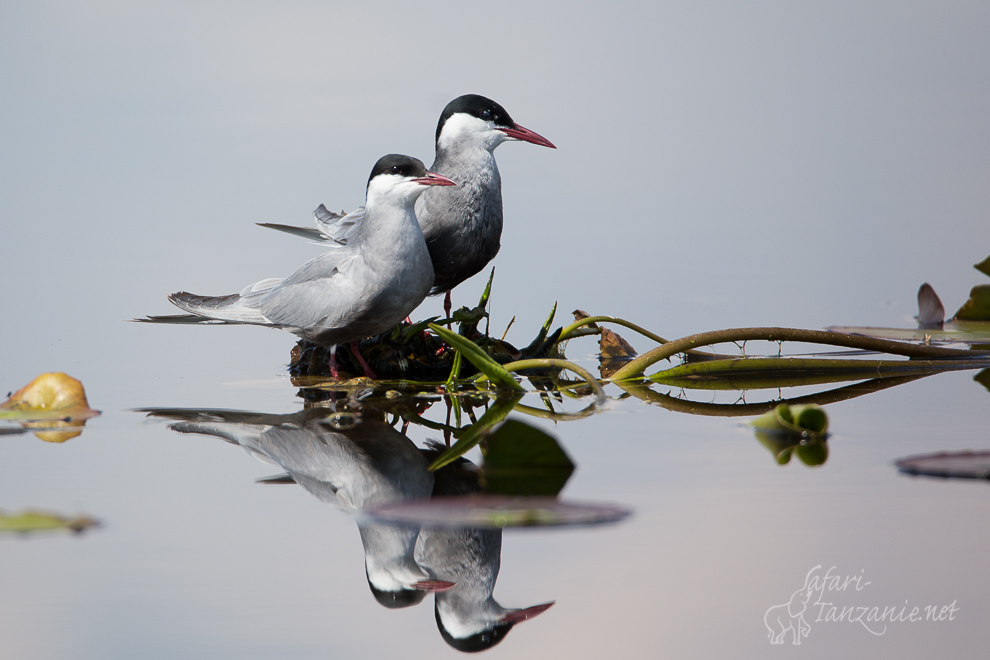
x=958, y=465
x=798, y=429
x=523, y=460
x=802, y=420
x=810, y=451
x=983, y=378
x=35, y=521
x=496, y=511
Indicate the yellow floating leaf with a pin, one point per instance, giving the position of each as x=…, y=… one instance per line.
x=53, y=404
x=51, y=391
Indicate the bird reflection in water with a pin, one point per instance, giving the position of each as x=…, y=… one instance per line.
x=353, y=466
x=357, y=462
x=468, y=616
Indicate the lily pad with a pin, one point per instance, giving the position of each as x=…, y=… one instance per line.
x=51, y=392
x=498, y=511
x=958, y=465
x=31, y=520
x=53, y=405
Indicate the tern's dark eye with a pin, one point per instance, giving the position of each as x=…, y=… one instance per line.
x=486, y=114
x=396, y=169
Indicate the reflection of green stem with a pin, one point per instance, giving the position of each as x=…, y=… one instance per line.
x=554, y=363
x=642, y=391
x=557, y=416
x=636, y=367
x=455, y=372
x=473, y=434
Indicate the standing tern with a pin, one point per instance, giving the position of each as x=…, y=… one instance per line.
x=463, y=225
x=355, y=291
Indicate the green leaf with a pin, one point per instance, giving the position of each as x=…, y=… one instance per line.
x=496, y=374
x=983, y=266
x=417, y=327
x=488, y=290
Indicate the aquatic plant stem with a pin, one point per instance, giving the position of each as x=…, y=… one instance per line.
x=636, y=367
x=553, y=363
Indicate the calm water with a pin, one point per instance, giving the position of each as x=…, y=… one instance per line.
x=717, y=167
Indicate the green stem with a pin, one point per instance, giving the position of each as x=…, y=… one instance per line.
x=553, y=363
x=568, y=330
x=573, y=331
x=636, y=367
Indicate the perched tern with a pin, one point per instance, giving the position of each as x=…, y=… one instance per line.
x=462, y=225
x=356, y=290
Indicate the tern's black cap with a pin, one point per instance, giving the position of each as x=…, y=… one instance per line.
x=479, y=641
x=476, y=106
x=397, y=599
x=398, y=164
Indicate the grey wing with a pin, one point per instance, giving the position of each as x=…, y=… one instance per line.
x=319, y=294
x=338, y=228
x=332, y=229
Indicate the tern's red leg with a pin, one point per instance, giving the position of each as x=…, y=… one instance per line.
x=364, y=365
x=333, y=363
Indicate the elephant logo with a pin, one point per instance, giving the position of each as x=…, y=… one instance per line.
x=789, y=616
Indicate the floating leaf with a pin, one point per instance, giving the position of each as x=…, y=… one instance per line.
x=498, y=511
x=34, y=521
x=53, y=404
x=952, y=332
x=958, y=464
x=523, y=460
x=977, y=308
x=983, y=266
x=51, y=391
